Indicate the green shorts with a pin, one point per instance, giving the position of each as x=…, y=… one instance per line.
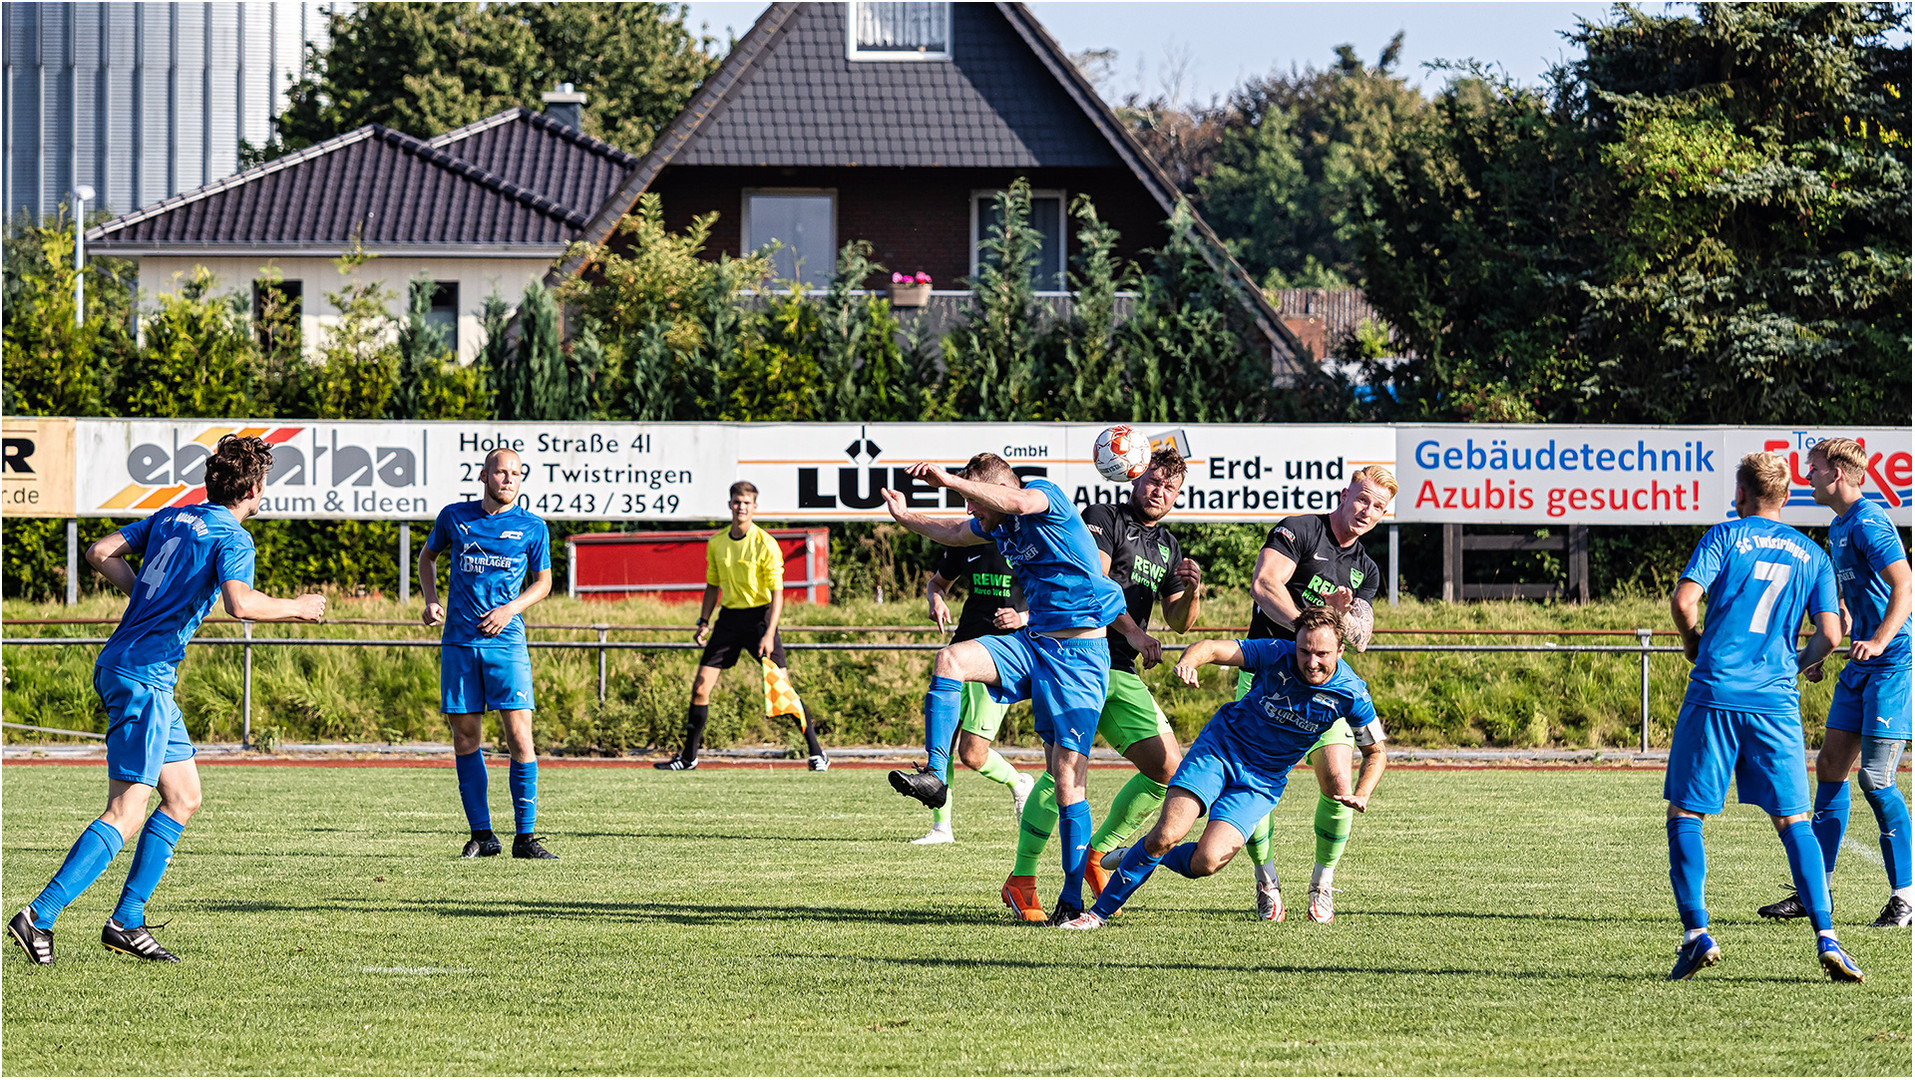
x=1130, y=714
x=978, y=714
x=1337, y=734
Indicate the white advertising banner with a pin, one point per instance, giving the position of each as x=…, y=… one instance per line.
x=406, y=471
x=1616, y=475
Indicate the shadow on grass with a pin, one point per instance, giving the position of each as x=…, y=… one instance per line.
x=612, y=911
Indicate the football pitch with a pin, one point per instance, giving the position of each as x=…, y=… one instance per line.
x=775, y=921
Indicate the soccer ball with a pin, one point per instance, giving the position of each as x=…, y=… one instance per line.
x=1122, y=453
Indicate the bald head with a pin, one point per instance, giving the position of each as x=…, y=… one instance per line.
x=501, y=474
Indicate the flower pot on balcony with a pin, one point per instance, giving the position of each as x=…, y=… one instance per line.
x=910, y=295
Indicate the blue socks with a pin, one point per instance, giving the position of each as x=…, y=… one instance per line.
x=1811, y=877
x=1073, y=830
x=1891, y=813
x=1126, y=879
x=471, y=770
x=1831, y=818
x=1177, y=860
x=85, y=862
x=523, y=780
x=1687, y=868
x=942, y=706
x=150, y=859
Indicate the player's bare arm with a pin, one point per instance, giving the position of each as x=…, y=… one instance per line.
x=1208, y=651
x=435, y=612
x=1150, y=651
x=1009, y=501
x=1375, y=759
x=1899, y=596
x=1009, y=618
x=495, y=621
x=936, y=594
x=245, y=602
x=1181, y=608
x=1269, y=586
x=108, y=556
x=1359, y=624
x=1827, y=635
x=947, y=531
x=1685, y=606
x=771, y=622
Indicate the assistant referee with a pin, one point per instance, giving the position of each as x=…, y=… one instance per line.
x=744, y=565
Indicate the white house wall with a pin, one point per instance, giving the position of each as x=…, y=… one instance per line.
x=477, y=278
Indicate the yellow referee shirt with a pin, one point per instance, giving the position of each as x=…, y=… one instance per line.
x=746, y=571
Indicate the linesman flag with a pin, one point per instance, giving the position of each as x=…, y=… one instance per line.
x=780, y=698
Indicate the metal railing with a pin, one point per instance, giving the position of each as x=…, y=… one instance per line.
x=248, y=642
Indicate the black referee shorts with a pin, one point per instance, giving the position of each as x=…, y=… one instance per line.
x=739, y=630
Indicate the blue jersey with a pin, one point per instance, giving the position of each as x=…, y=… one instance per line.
x=1760, y=576
x=187, y=553
x=1863, y=543
x=1057, y=565
x=1276, y=721
x=492, y=555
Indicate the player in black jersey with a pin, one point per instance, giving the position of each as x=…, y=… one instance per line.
x=994, y=605
x=1317, y=560
x=1146, y=561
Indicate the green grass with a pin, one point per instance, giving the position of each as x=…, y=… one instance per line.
x=354, y=694
x=745, y=922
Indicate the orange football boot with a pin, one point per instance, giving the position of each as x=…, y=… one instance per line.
x=1020, y=895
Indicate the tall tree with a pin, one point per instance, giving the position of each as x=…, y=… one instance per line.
x=424, y=68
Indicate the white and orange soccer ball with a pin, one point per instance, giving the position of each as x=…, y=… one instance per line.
x=1122, y=453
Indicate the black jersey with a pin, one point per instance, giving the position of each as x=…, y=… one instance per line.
x=1322, y=568
x=1141, y=560
x=990, y=585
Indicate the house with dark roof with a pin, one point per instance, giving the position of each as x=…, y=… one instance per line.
x=897, y=124
x=480, y=210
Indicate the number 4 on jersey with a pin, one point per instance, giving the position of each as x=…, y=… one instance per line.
x=154, y=575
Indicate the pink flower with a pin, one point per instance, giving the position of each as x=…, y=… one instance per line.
x=899, y=279
x=924, y=278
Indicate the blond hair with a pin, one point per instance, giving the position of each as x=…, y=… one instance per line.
x=1764, y=477
x=1376, y=474
x=1844, y=454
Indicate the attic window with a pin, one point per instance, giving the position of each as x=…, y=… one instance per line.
x=900, y=31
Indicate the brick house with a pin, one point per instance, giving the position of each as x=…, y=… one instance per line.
x=897, y=123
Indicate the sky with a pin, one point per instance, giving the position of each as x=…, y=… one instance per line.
x=1201, y=50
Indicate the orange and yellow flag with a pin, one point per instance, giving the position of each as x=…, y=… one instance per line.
x=780, y=698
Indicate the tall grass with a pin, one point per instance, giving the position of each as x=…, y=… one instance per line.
x=390, y=694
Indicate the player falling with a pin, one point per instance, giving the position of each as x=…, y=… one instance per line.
x=1312, y=561
x=1060, y=662
x=1138, y=553
x=501, y=566
x=1236, y=770
x=993, y=604
x=1869, y=719
x=1741, y=713
x=189, y=556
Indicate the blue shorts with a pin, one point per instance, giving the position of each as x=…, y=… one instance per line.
x=1874, y=703
x=1065, y=680
x=144, y=728
x=1231, y=790
x=1763, y=750
x=476, y=679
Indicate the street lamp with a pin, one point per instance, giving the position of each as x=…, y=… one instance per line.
x=82, y=194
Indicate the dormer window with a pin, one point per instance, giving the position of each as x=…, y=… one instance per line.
x=900, y=31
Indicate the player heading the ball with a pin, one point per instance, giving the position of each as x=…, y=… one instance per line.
x=1742, y=714
x=1060, y=662
x=502, y=565
x=189, y=555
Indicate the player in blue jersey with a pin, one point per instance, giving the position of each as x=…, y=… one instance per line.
x=189, y=556
x=1741, y=715
x=501, y=565
x=1060, y=661
x=1236, y=770
x=1869, y=719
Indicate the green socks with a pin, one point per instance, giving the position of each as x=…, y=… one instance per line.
x=1139, y=798
x=1258, y=845
x=998, y=770
x=1333, y=829
x=1034, y=829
